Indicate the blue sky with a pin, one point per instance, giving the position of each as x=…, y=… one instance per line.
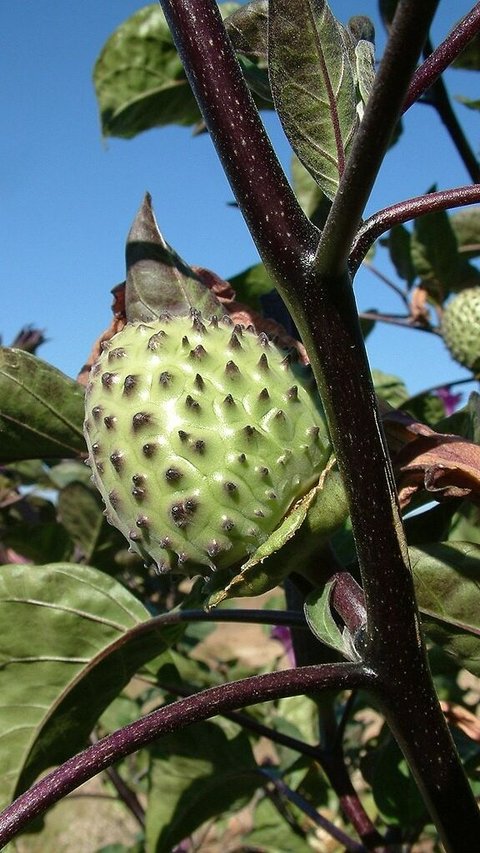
x=69, y=197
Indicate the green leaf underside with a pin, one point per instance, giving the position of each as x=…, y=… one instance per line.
x=195, y=775
x=313, y=86
x=41, y=409
x=434, y=253
x=447, y=584
x=70, y=641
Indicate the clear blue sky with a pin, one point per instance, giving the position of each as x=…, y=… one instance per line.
x=69, y=198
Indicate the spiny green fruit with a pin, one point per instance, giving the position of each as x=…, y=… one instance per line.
x=201, y=435
x=461, y=328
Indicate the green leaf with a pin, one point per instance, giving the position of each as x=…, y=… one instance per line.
x=446, y=576
x=395, y=792
x=313, y=86
x=251, y=284
x=41, y=541
x=158, y=280
x=466, y=227
x=41, y=409
x=322, y=624
x=365, y=71
x=139, y=78
x=195, y=775
x=71, y=639
x=247, y=30
x=399, y=247
x=293, y=545
x=312, y=200
x=471, y=103
x=390, y=388
x=435, y=254
x=273, y=833
x=81, y=511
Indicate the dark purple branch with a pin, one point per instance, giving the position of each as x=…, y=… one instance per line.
x=429, y=72
x=315, y=816
x=405, y=322
x=403, y=211
x=439, y=98
x=407, y=37
x=283, y=233
x=332, y=763
x=185, y=712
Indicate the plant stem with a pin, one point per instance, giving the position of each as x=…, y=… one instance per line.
x=440, y=100
x=319, y=296
x=403, y=211
x=185, y=712
x=440, y=58
x=331, y=761
x=409, y=29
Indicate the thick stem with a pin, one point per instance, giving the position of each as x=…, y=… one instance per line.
x=202, y=706
x=321, y=301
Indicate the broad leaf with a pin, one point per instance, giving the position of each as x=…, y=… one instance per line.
x=310, y=197
x=313, y=85
x=195, y=775
x=447, y=576
x=139, y=78
x=395, y=792
x=71, y=639
x=434, y=254
x=469, y=58
x=247, y=30
x=41, y=409
x=158, y=280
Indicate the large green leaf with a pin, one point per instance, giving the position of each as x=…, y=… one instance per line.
x=398, y=242
x=41, y=409
x=71, y=638
x=195, y=775
x=139, y=78
x=251, y=284
x=312, y=75
x=447, y=576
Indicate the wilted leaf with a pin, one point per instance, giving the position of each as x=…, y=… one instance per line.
x=446, y=466
x=446, y=576
x=41, y=409
x=71, y=638
x=313, y=86
x=195, y=775
x=157, y=278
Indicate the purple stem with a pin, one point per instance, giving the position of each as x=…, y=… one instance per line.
x=403, y=211
x=185, y=712
x=426, y=75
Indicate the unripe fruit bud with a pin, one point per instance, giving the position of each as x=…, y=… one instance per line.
x=201, y=435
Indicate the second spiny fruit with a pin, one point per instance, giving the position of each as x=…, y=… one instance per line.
x=201, y=436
